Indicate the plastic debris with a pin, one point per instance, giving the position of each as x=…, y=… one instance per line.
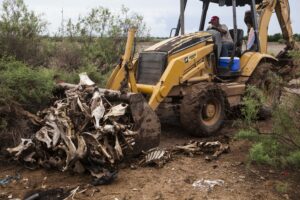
x=207, y=185
x=9, y=179
x=58, y=194
x=85, y=80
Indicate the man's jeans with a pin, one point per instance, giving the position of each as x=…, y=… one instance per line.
x=226, y=47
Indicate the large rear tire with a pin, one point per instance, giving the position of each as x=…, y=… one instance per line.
x=259, y=77
x=202, y=110
x=268, y=81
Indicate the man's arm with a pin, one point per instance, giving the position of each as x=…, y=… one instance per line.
x=222, y=29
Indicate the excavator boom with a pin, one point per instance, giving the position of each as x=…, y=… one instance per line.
x=282, y=10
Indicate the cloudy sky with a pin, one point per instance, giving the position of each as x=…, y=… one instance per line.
x=159, y=15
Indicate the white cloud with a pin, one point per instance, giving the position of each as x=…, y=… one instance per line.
x=160, y=15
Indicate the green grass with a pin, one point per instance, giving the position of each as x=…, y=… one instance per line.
x=282, y=187
x=20, y=83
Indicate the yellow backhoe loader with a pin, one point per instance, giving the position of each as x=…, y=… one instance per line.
x=184, y=73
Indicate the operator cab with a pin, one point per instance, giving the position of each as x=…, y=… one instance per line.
x=225, y=67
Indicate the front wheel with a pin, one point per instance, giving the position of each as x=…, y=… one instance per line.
x=202, y=110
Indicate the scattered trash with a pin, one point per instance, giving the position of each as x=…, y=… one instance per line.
x=9, y=179
x=207, y=185
x=58, y=194
x=83, y=131
x=85, y=80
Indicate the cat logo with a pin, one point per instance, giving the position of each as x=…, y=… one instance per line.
x=189, y=58
x=186, y=59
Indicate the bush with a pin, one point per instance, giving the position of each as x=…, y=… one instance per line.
x=275, y=38
x=286, y=124
x=259, y=153
x=294, y=159
x=252, y=102
x=30, y=87
x=249, y=134
x=282, y=147
x=20, y=31
x=67, y=56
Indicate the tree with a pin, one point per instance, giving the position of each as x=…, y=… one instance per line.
x=103, y=34
x=19, y=31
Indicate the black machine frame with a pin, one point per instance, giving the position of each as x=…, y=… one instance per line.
x=180, y=29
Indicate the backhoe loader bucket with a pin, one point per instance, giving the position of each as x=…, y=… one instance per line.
x=146, y=122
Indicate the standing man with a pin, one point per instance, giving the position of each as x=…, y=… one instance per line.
x=227, y=42
x=251, y=43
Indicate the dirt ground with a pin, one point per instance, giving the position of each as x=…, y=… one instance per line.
x=173, y=181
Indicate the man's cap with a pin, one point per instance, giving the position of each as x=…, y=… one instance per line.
x=213, y=18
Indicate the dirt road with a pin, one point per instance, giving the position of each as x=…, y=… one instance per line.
x=173, y=181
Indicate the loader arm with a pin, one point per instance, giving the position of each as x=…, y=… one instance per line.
x=178, y=71
x=125, y=71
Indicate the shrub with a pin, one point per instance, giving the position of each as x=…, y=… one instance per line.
x=275, y=38
x=252, y=102
x=67, y=56
x=293, y=159
x=296, y=61
x=286, y=124
x=30, y=87
x=281, y=148
x=247, y=134
x=20, y=31
x=259, y=154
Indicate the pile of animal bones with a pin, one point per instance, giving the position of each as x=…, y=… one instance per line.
x=83, y=131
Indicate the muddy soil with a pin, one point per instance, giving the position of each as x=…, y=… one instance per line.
x=173, y=181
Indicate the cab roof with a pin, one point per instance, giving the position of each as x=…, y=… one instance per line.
x=238, y=2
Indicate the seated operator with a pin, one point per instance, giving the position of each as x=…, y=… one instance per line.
x=227, y=42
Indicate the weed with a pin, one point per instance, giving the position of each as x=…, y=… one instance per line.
x=293, y=159
x=247, y=134
x=252, y=102
x=282, y=187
